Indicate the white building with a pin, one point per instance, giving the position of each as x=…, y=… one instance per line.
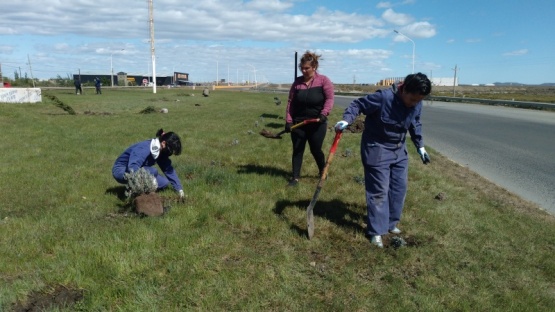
x=444, y=81
x=435, y=81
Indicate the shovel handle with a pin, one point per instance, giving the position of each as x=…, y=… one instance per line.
x=304, y=122
x=295, y=126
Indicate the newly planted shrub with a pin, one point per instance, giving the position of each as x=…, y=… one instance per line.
x=141, y=191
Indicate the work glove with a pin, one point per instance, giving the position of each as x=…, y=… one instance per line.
x=288, y=127
x=341, y=125
x=424, y=155
x=322, y=118
x=181, y=196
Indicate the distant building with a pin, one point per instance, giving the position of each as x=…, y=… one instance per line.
x=445, y=82
x=389, y=81
x=123, y=79
x=435, y=81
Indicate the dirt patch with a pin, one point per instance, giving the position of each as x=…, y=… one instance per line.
x=149, y=205
x=398, y=241
x=357, y=126
x=269, y=134
x=60, y=104
x=148, y=110
x=56, y=297
x=91, y=113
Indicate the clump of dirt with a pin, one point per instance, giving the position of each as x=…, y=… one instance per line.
x=268, y=134
x=88, y=112
x=398, y=241
x=441, y=196
x=150, y=205
x=57, y=297
x=148, y=110
x=357, y=126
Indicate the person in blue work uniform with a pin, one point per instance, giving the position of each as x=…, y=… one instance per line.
x=77, y=84
x=146, y=154
x=97, y=85
x=310, y=96
x=390, y=113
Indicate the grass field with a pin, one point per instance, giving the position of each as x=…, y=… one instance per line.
x=70, y=243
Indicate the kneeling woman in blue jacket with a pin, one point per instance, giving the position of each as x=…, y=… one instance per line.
x=147, y=153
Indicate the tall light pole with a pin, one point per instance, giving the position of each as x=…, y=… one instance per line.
x=413, y=48
x=254, y=70
x=152, y=50
x=112, y=67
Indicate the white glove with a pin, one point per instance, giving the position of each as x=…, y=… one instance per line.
x=424, y=155
x=181, y=194
x=341, y=125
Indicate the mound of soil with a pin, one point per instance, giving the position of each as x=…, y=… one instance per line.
x=357, y=126
x=58, y=297
x=150, y=204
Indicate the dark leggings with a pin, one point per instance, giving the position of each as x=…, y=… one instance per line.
x=314, y=134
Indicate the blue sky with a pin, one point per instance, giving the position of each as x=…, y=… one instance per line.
x=488, y=41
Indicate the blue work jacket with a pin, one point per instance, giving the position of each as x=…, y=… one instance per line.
x=139, y=155
x=386, y=125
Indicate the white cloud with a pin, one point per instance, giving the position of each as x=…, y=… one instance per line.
x=383, y=5
x=394, y=18
x=516, y=52
x=6, y=49
x=194, y=36
x=269, y=5
x=420, y=30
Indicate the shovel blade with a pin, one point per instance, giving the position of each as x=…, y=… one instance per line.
x=310, y=213
x=310, y=223
x=267, y=134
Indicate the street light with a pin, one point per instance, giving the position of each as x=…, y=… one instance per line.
x=112, y=67
x=254, y=70
x=413, y=48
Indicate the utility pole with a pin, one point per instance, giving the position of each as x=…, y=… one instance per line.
x=152, y=51
x=296, y=56
x=454, y=80
x=413, y=47
x=31, y=70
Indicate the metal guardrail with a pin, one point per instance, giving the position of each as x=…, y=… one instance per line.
x=535, y=105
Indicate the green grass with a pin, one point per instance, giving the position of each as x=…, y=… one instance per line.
x=239, y=241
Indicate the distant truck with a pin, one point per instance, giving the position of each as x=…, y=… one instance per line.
x=7, y=85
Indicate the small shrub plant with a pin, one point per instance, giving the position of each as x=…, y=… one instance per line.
x=139, y=182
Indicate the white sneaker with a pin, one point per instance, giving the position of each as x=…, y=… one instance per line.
x=395, y=231
x=377, y=240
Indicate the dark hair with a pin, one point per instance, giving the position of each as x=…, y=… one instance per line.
x=418, y=84
x=311, y=58
x=173, y=142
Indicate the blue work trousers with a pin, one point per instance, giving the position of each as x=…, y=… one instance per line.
x=118, y=174
x=386, y=188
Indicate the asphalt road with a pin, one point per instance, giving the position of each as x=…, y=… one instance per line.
x=512, y=147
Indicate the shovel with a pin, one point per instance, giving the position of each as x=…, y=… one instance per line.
x=269, y=135
x=310, y=208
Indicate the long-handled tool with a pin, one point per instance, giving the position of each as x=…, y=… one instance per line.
x=270, y=135
x=310, y=208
